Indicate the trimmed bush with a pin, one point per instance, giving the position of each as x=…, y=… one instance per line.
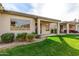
x=7, y=37
x=21, y=36
x=38, y=36
x=34, y=33
x=30, y=37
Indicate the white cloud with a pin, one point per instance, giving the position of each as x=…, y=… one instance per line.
x=73, y=13
x=57, y=10
x=53, y=10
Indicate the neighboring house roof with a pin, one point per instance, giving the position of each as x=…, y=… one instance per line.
x=26, y=15
x=73, y=22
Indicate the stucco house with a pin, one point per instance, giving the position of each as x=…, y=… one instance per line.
x=17, y=22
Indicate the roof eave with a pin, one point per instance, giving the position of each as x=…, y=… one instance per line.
x=26, y=15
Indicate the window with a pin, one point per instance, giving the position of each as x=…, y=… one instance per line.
x=20, y=24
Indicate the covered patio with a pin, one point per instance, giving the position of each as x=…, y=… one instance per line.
x=45, y=26
x=69, y=27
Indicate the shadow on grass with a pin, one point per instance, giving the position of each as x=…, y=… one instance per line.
x=68, y=49
x=45, y=48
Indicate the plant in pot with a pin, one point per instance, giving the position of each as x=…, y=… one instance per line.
x=52, y=30
x=21, y=37
x=55, y=31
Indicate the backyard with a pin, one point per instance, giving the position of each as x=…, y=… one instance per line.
x=59, y=45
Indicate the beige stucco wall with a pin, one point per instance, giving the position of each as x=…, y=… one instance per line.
x=0, y=24
x=53, y=25
x=44, y=29
x=72, y=27
x=5, y=24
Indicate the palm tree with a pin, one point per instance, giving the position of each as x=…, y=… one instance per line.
x=1, y=7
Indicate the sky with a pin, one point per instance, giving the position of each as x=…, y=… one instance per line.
x=55, y=10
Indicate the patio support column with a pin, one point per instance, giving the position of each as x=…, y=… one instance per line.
x=67, y=28
x=58, y=28
x=38, y=26
x=76, y=27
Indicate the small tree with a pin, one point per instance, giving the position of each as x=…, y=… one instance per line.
x=1, y=7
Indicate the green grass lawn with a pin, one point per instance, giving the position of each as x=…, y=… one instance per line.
x=65, y=45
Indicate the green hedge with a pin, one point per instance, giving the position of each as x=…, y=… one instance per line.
x=30, y=37
x=21, y=37
x=7, y=37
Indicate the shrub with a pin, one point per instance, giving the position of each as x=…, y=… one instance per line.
x=21, y=37
x=38, y=36
x=7, y=37
x=30, y=37
x=53, y=30
x=34, y=33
